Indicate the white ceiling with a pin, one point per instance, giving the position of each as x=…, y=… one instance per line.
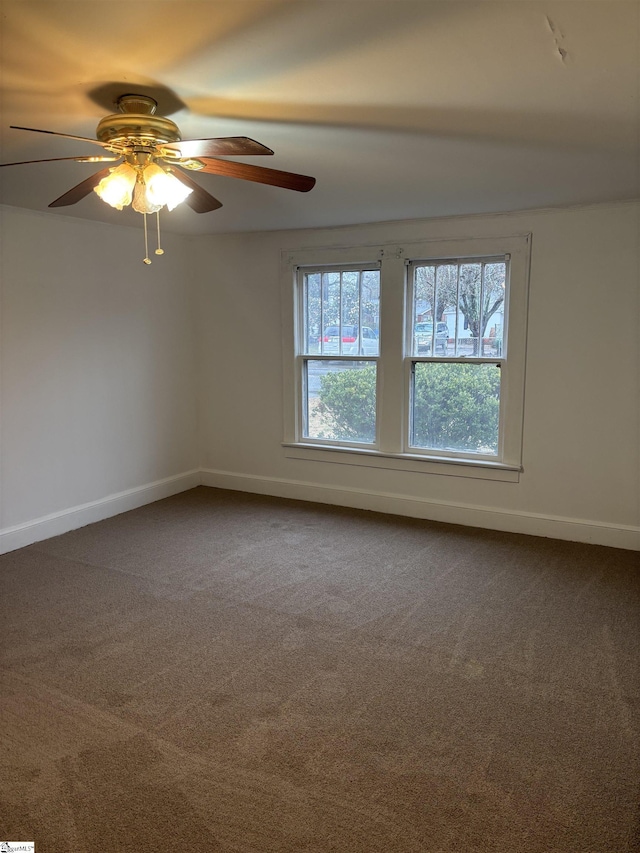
x=400, y=109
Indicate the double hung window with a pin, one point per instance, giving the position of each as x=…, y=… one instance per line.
x=457, y=352
x=341, y=345
x=411, y=358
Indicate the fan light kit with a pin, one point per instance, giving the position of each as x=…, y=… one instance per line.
x=154, y=156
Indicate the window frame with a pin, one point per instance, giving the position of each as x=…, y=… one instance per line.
x=303, y=356
x=392, y=449
x=412, y=359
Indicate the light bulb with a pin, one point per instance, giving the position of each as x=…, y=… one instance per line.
x=163, y=188
x=117, y=188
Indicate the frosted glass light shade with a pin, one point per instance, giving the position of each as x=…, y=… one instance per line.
x=117, y=188
x=163, y=188
x=142, y=203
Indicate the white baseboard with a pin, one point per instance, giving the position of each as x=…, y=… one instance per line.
x=571, y=529
x=38, y=529
x=554, y=527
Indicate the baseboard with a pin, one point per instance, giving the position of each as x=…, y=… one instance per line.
x=38, y=529
x=553, y=527
x=573, y=530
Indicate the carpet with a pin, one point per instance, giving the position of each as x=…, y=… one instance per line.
x=220, y=671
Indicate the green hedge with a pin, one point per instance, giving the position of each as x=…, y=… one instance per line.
x=348, y=398
x=456, y=406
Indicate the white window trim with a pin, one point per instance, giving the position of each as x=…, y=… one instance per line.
x=391, y=451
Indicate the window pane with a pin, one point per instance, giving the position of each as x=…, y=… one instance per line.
x=331, y=297
x=370, y=304
x=424, y=286
x=456, y=407
x=493, y=309
x=351, y=298
x=342, y=312
x=340, y=402
x=445, y=306
x=469, y=305
x=312, y=315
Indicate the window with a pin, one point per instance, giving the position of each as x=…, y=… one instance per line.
x=411, y=357
x=340, y=344
x=457, y=355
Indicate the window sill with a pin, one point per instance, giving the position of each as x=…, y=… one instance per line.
x=443, y=466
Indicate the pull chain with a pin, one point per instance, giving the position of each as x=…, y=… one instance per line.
x=159, y=250
x=146, y=259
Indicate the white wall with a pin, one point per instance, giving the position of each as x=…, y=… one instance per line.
x=97, y=382
x=103, y=363
x=581, y=477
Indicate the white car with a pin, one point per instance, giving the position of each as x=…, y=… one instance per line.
x=423, y=338
x=352, y=342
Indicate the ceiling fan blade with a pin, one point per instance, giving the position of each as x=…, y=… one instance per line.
x=64, y=135
x=58, y=159
x=273, y=177
x=81, y=190
x=226, y=146
x=199, y=200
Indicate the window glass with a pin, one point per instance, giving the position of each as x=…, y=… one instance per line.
x=456, y=407
x=458, y=309
x=312, y=312
x=337, y=305
x=493, y=307
x=469, y=305
x=340, y=400
x=458, y=313
x=370, y=301
x=423, y=304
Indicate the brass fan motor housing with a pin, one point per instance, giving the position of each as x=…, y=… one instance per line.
x=119, y=128
x=137, y=122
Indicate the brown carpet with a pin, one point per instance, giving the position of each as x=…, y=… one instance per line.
x=227, y=672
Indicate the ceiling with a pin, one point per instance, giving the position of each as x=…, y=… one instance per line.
x=400, y=109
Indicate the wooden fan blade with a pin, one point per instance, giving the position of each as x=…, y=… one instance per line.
x=199, y=200
x=64, y=135
x=226, y=146
x=274, y=177
x=58, y=159
x=82, y=189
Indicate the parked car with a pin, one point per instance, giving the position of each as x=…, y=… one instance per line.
x=353, y=343
x=423, y=338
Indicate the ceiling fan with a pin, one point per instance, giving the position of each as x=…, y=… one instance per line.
x=155, y=162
